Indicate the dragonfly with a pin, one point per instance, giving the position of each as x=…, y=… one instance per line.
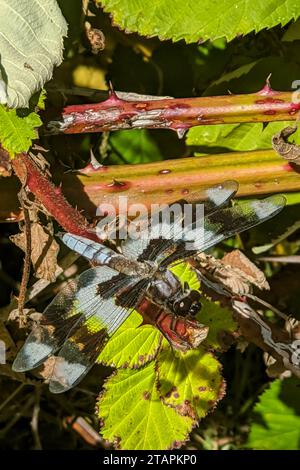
x=80, y=320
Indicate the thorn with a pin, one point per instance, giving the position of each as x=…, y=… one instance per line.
x=181, y=133
x=267, y=90
x=94, y=162
x=57, y=189
x=268, y=79
x=112, y=94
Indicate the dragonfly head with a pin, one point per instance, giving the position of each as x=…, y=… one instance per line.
x=187, y=303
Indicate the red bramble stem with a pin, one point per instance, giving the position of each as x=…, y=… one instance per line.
x=51, y=196
x=176, y=114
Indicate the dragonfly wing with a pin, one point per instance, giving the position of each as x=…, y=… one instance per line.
x=213, y=197
x=87, y=339
x=210, y=199
x=225, y=223
x=232, y=220
x=78, y=298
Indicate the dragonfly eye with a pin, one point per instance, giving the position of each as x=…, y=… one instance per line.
x=195, y=307
x=182, y=306
x=188, y=304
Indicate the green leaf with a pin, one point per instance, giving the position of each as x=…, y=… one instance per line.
x=42, y=99
x=132, y=345
x=31, y=44
x=292, y=33
x=186, y=274
x=194, y=21
x=220, y=321
x=251, y=76
x=17, y=133
x=277, y=417
x=190, y=382
x=238, y=137
x=134, y=146
x=134, y=416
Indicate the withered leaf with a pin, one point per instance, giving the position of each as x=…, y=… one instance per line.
x=28, y=312
x=5, y=164
x=46, y=368
x=247, y=270
x=95, y=37
x=44, y=250
x=234, y=271
x=289, y=151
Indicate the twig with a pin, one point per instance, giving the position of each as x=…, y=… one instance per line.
x=17, y=416
x=39, y=285
x=34, y=423
x=11, y=396
x=27, y=259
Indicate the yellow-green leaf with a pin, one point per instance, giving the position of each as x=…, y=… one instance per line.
x=219, y=319
x=16, y=131
x=186, y=274
x=132, y=345
x=199, y=20
x=133, y=415
x=191, y=382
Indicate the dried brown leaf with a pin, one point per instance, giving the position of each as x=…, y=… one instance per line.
x=46, y=369
x=5, y=165
x=44, y=251
x=234, y=271
x=248, y=271
x=29, y=312
x=95, y=37
x=285, y=149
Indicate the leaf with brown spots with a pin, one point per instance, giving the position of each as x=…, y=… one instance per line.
x=134, y=417
x=190, y=382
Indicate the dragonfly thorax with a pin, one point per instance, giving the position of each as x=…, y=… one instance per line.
x=166, y=290
x=143, y=269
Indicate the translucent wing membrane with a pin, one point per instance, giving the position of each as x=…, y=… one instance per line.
x=85, y=342
x=77, y=299
x=213, y=197
x=232, y=220
x=79, y=321
x=210, y=199
x=82, y=347
x=225, y=223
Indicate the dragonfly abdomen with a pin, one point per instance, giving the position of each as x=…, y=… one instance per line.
x=89, y=249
